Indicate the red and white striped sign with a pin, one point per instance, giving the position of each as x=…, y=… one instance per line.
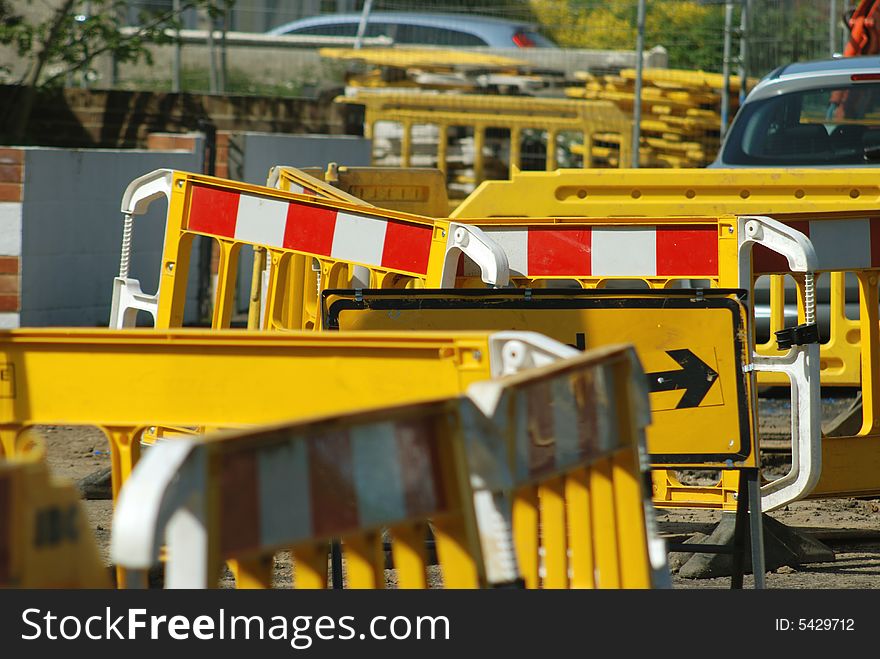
x=849, y=244
x=571, y=421
x=610, y=251
x=329, y=483
x=311, y=229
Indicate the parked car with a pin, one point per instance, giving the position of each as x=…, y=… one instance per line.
x=823, y=113
x=410, y=28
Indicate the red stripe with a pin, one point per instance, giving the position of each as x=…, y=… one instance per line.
x=765, y=260
x=5, y=529
x=213, y=211
x=874, y=223
x=331, y=484
x=559, y=251
x=541, y=431
x=420, y=467
x=239, y=502
x=309, y=229
x=407, y=247
x=687, y=251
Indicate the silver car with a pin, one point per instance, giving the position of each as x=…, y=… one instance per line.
x=430, y=29
x=810, y=114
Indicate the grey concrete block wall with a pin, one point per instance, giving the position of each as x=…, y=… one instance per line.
x=71, y=232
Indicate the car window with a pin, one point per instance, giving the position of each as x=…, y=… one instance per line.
x=327, y=30
x=439, y=36
x=828, y=126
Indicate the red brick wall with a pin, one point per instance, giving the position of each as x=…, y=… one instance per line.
x=11, y=190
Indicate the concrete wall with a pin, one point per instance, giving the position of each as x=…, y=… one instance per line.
x=252, y=154
x=69, y=231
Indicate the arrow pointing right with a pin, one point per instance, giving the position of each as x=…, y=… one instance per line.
x=695, y=376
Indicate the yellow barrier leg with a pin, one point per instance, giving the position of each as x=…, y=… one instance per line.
x=457, y=566
x=631, y=533
x=7, y=443
x=553, y=538
x=124, y=453
x=364, y=561
x=310, y=567
x=254, y=573
x=604, y=525
x=577, y=510
x=525, y=534
x=868, y=318
x=410, y=557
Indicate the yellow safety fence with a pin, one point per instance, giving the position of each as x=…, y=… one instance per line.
x=501, y=129
x=345, y=243
x=45, y=537
x=513, y=490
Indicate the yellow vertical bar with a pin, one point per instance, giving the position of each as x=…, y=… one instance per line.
x=456, y=561
x=253, y=573
x=310, y=566
x=256, y=288
x=553, y=536
x=364, y=561
x=632, y=537
x=578, y=523
x=7, y=442
x=406, y=144
x=227, y=276
x=515, y=148
x=550, y=155
x=870, y=339
x=479, y=162
x=588, y=151
x=604, y=525
x=442, y=147
x=410, y=557
x=525, y=534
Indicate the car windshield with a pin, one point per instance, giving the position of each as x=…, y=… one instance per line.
x=827, y=126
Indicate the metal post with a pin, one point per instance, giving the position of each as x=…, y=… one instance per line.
x=832, y=27
x=362, y=26
x=743, y=51
x=725, y=91
x=212, y=56
x=224, y=28
x=175, y=68
x=637, y=94
x=756, y=525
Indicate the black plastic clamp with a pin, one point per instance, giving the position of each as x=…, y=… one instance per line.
x=797, y=336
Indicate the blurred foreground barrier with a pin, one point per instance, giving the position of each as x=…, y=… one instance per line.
x=129, y=382
x=45, y=538
x=346, y=242
x=566, y=472
x=692, y=343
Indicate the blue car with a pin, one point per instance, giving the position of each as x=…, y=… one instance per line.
x=409, y=28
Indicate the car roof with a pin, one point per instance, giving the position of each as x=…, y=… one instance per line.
x=801, y=76
x=413, y=18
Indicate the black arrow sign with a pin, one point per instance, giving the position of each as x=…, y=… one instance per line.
x=695, y=377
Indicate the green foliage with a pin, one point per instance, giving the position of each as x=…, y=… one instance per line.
x=71, y=38
x=691, y=32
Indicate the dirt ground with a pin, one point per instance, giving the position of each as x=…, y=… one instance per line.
x=850, y=527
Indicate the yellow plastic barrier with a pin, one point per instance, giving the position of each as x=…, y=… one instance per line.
x=416, y=190
x=464, y=466
x=45, y=537
x=126, y=382
x=346, y=243
x=588, y=120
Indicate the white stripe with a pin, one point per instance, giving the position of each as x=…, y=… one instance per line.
x=515, y=243
x=624, y=252
x=261, y=220
x=10, y=320
x=359, y=239
x=565, y=423
x=842, y=244
x=10, y=228
x=285, y=508
x=377, y=479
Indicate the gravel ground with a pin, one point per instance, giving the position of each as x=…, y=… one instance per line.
x=851, y=527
